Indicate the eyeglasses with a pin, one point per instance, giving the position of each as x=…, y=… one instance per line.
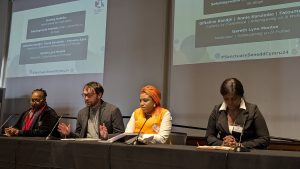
x=36, y=100
x=87, y=94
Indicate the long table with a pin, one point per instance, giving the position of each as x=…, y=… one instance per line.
x=37, y=153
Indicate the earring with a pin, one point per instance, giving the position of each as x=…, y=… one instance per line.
x=154, y=105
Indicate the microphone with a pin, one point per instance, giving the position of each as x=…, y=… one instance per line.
x=139, y=133
x=50, y=137
x=7, y=120
x=239, y=147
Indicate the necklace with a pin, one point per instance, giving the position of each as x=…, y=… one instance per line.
x=231, y=116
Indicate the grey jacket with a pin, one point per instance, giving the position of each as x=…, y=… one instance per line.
x=110, y=115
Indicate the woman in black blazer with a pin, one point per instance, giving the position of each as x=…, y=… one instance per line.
x=236, y=121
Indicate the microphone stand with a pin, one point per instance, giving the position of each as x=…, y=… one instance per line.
x=9, y=117
x=239, y=147
x=137, y=137
x=50, y=137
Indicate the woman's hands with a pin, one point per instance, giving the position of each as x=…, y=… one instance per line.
x=229, y=141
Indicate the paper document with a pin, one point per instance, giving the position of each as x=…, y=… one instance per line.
x=119, y=136
x=81, y=139
x=216, y=148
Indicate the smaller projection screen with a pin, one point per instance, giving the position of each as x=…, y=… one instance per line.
x=231, y=30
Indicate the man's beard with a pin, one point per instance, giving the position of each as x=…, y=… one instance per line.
x=37, y=107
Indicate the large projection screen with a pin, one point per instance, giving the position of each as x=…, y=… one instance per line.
x=57, y=45
x=256, y=41
x=62, y=37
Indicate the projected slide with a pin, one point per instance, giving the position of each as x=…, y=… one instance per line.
x=61, y=37
x=230, y=30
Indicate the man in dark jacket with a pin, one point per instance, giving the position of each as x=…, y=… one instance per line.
x=38, y=121
x=97, y=119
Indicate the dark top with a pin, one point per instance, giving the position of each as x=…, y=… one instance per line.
x=42, y=126
x=110, y=115
x=255, y=132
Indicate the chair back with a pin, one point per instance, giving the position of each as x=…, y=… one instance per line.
x=177, y=138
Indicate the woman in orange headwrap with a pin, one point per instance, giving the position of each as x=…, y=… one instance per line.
x=150, y=119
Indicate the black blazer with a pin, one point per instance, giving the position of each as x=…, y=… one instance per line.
x=42, y=126
x=255, y=132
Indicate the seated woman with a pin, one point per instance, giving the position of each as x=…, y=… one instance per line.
x=236, y=119
x=150, y=119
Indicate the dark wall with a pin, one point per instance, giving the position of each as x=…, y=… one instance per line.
x=135, y=50
x=4, y=34
x=4, y=20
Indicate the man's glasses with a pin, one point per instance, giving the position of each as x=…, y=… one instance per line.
x=36, y=100
x=87, y=94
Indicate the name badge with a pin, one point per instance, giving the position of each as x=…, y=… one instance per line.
x=155, y=128
x=237, y=129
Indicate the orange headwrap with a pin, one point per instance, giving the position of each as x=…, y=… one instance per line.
x=153, y=92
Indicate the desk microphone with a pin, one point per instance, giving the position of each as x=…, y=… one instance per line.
x=9, y=117
x=50, y=137
x=147, y=116
x=239, y=147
